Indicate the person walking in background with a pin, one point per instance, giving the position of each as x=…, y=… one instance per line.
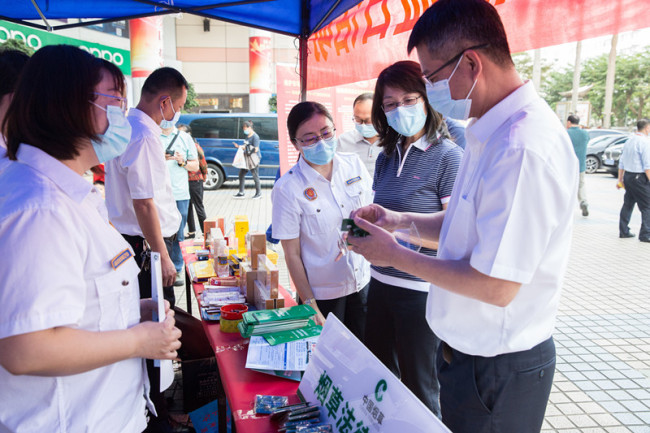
x=415, y=172
x=181, y=156
x=634, y=176
x=579, y=139
x=505, y=237
x=251, y=148
x=363, y=139
x=196, y=179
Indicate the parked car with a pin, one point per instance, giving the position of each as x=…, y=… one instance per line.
x=611, y=157
x=598, y=145
x=216, y=133
x=595, y=133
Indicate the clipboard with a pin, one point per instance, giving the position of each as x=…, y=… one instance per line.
x=158, y=315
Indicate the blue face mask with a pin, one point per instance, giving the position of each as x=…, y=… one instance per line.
x=368, y=131
x=439, y=96
x=321, y=153
x=113, y=142
x=407, y=121
x=166, y=124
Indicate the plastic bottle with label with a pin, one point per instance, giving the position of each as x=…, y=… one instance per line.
x=223, y=270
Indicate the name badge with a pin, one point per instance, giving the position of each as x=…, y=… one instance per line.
x=310, y=194
x=122, y=257
x=353, y=180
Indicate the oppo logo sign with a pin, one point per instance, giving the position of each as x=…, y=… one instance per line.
x=35, y=42
x=31, y=40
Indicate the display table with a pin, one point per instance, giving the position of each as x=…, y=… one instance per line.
x=241, y=384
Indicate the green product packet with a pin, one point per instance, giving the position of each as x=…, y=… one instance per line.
x=312, y=330
x=297, y=312
x=244, y=330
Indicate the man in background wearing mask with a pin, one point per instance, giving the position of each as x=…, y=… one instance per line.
x=139, y=196
x=363, y=139
x=504, y=238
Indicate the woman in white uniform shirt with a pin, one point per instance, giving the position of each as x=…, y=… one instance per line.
x=71, y=341
x=309, y=204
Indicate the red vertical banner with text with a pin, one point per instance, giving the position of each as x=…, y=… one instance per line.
x=288, y=88
x=146, y=45
x=259, y=57
x=338, y=101
x=374, y=34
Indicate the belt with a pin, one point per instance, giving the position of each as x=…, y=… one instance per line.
x=132, y=238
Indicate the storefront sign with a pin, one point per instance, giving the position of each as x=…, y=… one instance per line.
x=36, y=39
x=357, y=392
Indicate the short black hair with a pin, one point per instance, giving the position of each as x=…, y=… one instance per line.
x=164, y=80
x=363, y=97
x=642, y=124
x=302, y=112
x=51, y=108
x=449, y=26
x=248, y=123
x=404, y=75
x=11, y=65
x=573, y=119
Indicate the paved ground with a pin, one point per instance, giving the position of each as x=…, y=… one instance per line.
x=602, y=381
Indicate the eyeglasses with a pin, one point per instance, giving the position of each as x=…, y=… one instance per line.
x=311, y=139
x=408, y=102
x=453, y=60
x=362, y=122
x=123, y=104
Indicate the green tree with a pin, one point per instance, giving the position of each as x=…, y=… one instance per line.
x=556, y=82
x=273, y=104
x=191, y=101
x=17, y=44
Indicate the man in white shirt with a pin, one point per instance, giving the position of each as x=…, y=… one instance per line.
x=505, y=236
x=139, y=196
x=363, y=139
x=634, y=176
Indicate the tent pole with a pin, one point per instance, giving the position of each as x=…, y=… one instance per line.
x=303, y=53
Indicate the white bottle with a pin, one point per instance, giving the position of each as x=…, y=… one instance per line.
x=223, y=270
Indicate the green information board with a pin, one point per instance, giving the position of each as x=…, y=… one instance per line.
x=38, y=38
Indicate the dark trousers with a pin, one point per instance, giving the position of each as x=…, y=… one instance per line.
x=504, y=393
x=196, y=202
x=398, y=334
x=256, y=178
x=637, y=191
x=144, y=277
x=350, y=309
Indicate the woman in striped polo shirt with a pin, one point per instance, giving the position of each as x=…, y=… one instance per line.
x=414, y=173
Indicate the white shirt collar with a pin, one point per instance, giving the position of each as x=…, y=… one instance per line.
x=483, y=127
x=421, y=143
x=73, y=185
x=145, y=119
x=311, y=174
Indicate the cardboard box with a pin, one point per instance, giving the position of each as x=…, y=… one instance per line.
x=241, y=229
x=247, y=277
x=208, y=225
x=201, y=383
x=255, y=246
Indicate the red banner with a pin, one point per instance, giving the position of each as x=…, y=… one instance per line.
x=359, y=44
x=259, y=59
x=338, y=100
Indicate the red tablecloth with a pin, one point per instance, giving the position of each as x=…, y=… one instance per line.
x=241, y=384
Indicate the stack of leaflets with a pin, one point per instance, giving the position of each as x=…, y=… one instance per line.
x=271, y=321
x=201, y=271
x=287, y=360
x=212, y=298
